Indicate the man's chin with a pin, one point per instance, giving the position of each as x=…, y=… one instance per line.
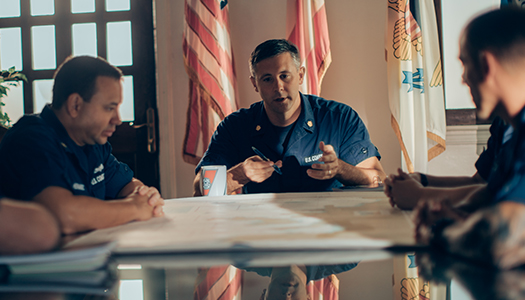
x=101, y=140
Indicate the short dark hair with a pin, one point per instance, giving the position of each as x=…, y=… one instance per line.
x=79, y=75
x=500, y=32
x=272, y=48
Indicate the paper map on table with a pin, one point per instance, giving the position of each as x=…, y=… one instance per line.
x=288, y=221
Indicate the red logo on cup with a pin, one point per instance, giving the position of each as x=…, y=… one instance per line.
x=207, y=181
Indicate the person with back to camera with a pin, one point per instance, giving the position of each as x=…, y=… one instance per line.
x=492, y=50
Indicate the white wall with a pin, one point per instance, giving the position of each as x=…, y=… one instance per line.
x=357, y=75
x=456, y=14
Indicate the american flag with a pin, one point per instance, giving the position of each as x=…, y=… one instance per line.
x=308, y=29
x=324, y=289
x=219, y=283
x=209, y=63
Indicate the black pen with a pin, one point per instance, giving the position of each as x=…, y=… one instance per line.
x=276, y=168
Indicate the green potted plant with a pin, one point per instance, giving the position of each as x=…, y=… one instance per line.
x=8, y=78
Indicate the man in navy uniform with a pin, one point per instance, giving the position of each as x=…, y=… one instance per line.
x=61, y=158
x=492, y=230
x=315, y=144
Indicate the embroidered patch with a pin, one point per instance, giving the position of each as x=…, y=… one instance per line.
x=98, y=169
x=97, y=179
x=78, y=187
x=313, y=158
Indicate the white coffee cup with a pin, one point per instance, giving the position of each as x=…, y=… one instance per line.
x=213, y=180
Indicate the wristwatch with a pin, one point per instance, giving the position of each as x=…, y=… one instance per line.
x=424, y=179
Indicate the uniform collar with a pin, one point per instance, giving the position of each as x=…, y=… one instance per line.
x=49, y=116
x=521, y=117
x=305, y=121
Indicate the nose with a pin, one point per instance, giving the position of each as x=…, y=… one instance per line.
x=279, y=85
x=116, y=120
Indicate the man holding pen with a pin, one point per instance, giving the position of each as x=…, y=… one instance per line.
x=316, y=144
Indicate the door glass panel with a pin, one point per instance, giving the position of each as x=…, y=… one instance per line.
x=42, y=7
x=131, y=290
x=119, y=43
x=117, y=5
x=14, y=102
x=84, y=38
x=127, y=109
x=42, y=93
x=43, y=46
x=11, y=48
x=9, y=8
x=82, y=6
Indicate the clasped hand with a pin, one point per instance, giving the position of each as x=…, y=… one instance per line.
x=403, y=190
x=148, y=201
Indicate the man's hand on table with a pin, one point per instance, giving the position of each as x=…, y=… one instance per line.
x=403, y=190
x=148, y=201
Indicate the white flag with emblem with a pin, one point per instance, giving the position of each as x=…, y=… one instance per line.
x=415, y=82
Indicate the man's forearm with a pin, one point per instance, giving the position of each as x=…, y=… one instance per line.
x=493, y=235
x=468, y=198
x=353, y=175
x=129, y=188
x=76, y=213
x=451, y=181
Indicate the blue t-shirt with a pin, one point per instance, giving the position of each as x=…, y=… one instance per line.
x=38, y=152
x=507, y=181
x=332, y=122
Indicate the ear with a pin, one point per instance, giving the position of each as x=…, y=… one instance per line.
x=301, y=75
x=492, y=68
x=73, y=105
x=254, y=83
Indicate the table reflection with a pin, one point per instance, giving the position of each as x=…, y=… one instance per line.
x=96, y=284
x=264, y=276
x=480, y=281
x=302, y=281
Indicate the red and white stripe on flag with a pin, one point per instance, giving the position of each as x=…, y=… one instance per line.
x=209, y=63
x=219, y=283
x=307, y=28
x=324, y=289
x=415, y=81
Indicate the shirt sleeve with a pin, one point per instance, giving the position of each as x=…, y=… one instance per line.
x=487, y=157
x=118, y=174
x=222, y=148
x=356, y=145
x=35, y=163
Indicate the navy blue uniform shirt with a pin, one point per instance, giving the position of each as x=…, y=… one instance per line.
x=500, y=133
x=313, y=272
x=507, y=181
x=334, y=123
x=38, y=152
